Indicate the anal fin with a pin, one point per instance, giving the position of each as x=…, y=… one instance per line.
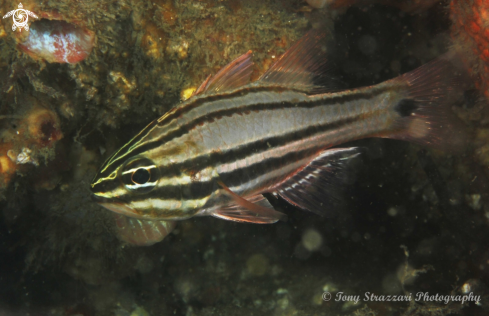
x=317, y=187
x=141, y=232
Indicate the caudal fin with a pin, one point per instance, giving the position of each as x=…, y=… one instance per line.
x=425, y=113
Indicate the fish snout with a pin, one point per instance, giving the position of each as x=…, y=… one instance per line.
x=115, y=205
x=98, y=199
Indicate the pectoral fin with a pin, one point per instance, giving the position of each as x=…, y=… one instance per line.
x=254, y=210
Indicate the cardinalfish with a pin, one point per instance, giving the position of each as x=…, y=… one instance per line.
x=218, y=152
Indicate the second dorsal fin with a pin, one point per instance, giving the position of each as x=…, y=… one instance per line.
x=303, y=66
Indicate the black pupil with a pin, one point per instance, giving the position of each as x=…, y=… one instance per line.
x=141, y=176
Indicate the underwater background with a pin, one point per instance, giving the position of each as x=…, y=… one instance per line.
x=415, y=220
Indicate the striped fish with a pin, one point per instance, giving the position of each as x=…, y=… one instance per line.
x=220, y=151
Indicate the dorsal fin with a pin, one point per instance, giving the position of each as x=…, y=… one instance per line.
x=202, y=86
x=303, y=66
x=235, y=74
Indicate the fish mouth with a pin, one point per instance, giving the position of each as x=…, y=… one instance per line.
x=115, y=206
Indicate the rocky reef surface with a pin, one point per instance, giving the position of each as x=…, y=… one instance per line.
x=416, y=219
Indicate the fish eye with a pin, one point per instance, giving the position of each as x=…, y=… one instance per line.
x=140, y=175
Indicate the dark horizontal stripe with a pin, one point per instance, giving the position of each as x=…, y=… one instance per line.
x=177, y=112
x=329, y=100
x=212, y=116
x=199, y=190
x=215, y=97
x=191, y=191
x=252, y=172
x=259, y=146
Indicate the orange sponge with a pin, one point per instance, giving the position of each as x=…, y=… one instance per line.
x=470, y=31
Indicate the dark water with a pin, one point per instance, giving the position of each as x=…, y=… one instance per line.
x=413, y=223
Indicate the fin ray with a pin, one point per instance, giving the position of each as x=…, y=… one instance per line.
x=202, y=86
x=234, y=75
x=426, y=116
x=141, y=232
x=304, y=66
x=255, y=210
x=315, y=188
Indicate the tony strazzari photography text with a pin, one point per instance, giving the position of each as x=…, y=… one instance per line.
x=418, y=297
